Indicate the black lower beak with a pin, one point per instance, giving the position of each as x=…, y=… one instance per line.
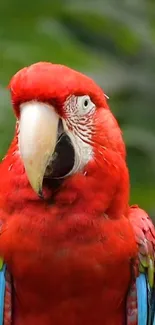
x=62, y=160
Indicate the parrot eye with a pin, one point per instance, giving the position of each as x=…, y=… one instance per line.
x=85, y=104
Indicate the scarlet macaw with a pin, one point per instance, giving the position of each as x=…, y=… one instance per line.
x=74, y=252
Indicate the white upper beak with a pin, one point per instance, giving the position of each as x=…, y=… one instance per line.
x=38, y=126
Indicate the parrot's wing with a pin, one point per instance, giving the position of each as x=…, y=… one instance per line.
x=2, y=290
x=5, y=295
x=141, y=298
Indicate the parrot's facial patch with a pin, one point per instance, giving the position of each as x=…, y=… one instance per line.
x=78, y=125
x=53, y=147
x=73, y=149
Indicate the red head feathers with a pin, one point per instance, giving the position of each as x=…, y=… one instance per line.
x=67, y=129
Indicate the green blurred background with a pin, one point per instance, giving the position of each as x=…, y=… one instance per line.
x=113, y=41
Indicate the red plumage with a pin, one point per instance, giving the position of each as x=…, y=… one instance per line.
x=71, y=253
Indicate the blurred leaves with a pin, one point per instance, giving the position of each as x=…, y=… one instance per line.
x=113, y=42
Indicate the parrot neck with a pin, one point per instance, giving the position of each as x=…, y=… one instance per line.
x=96, y=191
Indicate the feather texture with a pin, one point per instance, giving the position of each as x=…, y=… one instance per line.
x=2, y=292
x=144, y=282
x=142, y=299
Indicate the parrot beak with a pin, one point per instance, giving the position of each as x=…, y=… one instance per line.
x=38, y=126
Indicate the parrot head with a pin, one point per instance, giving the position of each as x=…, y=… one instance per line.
x=65, y=124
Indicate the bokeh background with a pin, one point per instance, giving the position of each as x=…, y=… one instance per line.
x=111, y=41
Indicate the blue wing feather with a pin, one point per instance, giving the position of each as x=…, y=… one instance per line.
x=2, y=293
x=142, y=299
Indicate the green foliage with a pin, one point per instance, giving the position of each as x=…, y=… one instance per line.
x=112, y=41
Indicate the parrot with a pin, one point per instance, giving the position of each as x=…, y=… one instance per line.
x=72, y=249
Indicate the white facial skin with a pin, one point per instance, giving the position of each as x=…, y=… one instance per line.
x=78, y=126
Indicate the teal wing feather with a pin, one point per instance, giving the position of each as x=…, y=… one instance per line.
x=141, y=297
x=2, y=290
x=5, y=295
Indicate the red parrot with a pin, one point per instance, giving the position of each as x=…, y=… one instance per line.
x=75, y=252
